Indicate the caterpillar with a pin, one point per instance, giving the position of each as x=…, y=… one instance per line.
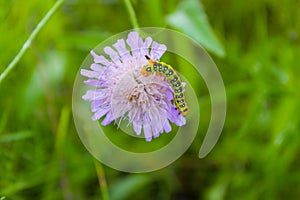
x=161, y=68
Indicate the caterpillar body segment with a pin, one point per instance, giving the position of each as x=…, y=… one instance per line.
x=163, y=69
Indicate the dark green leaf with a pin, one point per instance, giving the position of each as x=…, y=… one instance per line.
x=191, y=19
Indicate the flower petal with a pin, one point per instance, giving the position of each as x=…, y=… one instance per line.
x=122, y=50
x=100, y=113
x=89, y=73
x=169, y=95
x=157, y=50
x=156, y=134
x=92, y=95
x=167, y=127
x=93, y=82
x=103, y=104
x=108, y=119
x=144, y=50
x=175, y=116
x=97, y=67
x=134, y=41
x=100, y=59
x=147, y=132
x=137, y=127
x=114, y=56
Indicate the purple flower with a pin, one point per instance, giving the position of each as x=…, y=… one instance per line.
x=122, y=92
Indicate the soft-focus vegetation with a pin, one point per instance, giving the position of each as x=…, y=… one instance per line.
x=256, y=47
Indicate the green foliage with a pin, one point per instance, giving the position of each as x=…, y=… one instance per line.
x=257, y=156
x=126, y=186
x=191, y=19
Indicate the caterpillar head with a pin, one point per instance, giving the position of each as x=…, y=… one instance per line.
x=146, y=70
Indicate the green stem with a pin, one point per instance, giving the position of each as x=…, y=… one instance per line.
x=28, y=42
x=132, y=15
x=102, y=180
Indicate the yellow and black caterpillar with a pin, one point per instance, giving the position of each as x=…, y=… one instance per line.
x=172, y=77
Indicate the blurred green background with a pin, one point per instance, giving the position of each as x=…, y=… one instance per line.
x=255, y=45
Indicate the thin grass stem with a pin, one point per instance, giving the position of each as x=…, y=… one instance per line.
x=28, y=42
x=132, y=15
x=102, y=180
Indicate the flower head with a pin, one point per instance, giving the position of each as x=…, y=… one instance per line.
x=123, y=92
